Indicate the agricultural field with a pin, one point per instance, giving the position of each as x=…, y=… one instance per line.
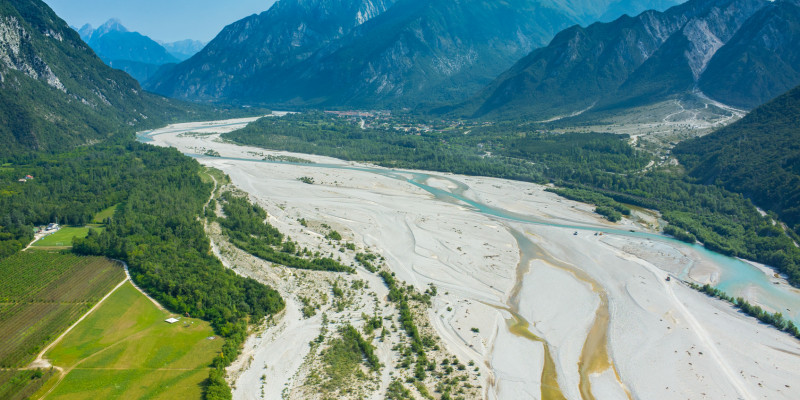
x=27, y=327
x=43, y=276
x=22, y=384
x=41, y=294
x=63, y=237
x=125, y=350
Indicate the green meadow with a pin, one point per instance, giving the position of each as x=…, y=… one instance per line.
x=100, y=217
x=63, y=237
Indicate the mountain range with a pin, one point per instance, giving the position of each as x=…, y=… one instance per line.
x=55, y=93
x=738, y=52
x=374, y=53
x=134, y=53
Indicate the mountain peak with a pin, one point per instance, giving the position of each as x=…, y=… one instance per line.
x=85, y=32
x=112, y=25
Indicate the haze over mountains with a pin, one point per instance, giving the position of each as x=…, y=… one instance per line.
x=739, y=52
x=132, y=52
x=365, y=53
x=183, y=49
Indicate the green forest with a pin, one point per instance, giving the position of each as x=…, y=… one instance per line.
x=488, y=151
x=245, y=226
x=599, y=168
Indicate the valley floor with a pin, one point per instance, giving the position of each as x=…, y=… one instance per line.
x=603, y=320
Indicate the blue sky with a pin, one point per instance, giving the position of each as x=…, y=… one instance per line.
x=167, y=20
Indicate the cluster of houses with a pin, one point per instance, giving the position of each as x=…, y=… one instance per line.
x=361, y=114
x=26, y=178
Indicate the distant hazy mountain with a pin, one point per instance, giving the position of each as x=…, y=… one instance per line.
x=588, y=11
x=740, y=52
x=373, y=53
x=632, y=7
x=183, y=49
x=132, y=52
x=54, y=91
x=758, y=156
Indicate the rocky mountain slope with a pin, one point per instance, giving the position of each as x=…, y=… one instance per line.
x=268, y=44
x=741, y=52
x=768, y=44
x=373, y=53
x=54, y=91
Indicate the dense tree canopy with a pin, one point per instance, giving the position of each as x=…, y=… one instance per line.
x=758, y=156
x=244, y=224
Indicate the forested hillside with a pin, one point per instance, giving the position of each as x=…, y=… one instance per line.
x=55, y=93
x=758, y=156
